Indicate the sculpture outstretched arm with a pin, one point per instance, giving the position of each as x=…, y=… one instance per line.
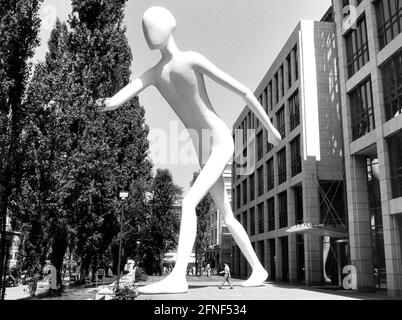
x=206, y=67
x=128, y=92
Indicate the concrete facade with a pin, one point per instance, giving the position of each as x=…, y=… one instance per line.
x=268, y=205
x=373, y=144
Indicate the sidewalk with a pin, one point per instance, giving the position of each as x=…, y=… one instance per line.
x=207, y=289
x=270, y=291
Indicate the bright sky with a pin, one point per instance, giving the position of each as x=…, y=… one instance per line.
x=241, y=37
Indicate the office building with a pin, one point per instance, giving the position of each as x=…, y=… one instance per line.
x=289, y=198
x=369, y=42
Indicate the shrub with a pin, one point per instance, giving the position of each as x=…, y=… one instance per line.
x=126, y=293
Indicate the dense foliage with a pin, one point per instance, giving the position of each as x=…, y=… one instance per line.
x=19, y=26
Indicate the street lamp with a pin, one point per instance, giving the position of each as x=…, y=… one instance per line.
x=123, y=195
x=138, y=257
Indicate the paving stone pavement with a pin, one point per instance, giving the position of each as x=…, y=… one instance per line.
x=270, y=291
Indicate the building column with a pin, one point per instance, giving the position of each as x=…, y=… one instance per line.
x=312, y=214
x=359, y=223
x=392, y=225
x=267, y=253
x=292, y=259
x=292, y=237
x=279, y=260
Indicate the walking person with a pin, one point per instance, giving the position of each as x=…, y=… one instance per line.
x=208, y=270
x=227, y=277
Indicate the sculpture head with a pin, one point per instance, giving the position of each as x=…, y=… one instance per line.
x=158, y=24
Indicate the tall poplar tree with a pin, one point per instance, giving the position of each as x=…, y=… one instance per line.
x=88, y=156
x=19, y=26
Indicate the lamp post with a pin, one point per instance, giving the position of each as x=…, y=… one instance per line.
x=123, y=195
x=138, y=257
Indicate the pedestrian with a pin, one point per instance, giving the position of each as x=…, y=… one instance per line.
x=227, y=277
x=208, y=270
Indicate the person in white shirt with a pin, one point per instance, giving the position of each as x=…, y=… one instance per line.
x=227, y=277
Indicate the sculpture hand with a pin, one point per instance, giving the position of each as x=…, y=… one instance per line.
x=103, y=103
x=274, y=137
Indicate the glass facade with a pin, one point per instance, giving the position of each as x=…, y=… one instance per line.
x=392, y=85
x=294, y=111
x=252, y=187
x=252, y=222
x=395, y=159
x=298, y=193
x=357, y=47
x=260, y=175
x=282, y=176
x=260, y=145
x=271, y=214
x=362, y=111
x=270, y=174
x=261, y=218
x=280, y=122
x=296, y=156
x=389, y=20
x=283, y=209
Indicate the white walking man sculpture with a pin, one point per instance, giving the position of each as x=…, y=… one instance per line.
x=179, y=77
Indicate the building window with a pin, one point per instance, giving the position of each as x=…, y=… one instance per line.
x=276, y=88
x=238, y=197
x=271, y=214
x=265, y=99
x=296, y=63
x=270, y=97
x=252, y=187
x=269, y=145
x=389, y=20
x=289, y=67
x=270, y=174
x=392, y=85
x=252, y=222
x=261, y=228
x=282, y=84
x=280, y=120
x=282, y=166
x=244, y=192
x=260, y=145
x=295, y=156
x=345, y=3
x=357, y=47
x=245, y=222
x=260, y=175
x=283, y=209
x=362, y=111
x=395, y=158
x=298, y=193
x=294, y=111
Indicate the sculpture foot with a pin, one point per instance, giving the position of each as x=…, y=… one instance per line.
x=256, y=279
x=170, y=285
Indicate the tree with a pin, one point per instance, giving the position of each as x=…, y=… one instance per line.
x=87, y=156
x=19, y=26
x=163, y=222
x=203, y=211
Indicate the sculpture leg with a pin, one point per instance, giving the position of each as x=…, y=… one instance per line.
x=220, y=197
x=326, y=248
x=176, y=282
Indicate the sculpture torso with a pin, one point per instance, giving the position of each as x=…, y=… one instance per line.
x=183, y=87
